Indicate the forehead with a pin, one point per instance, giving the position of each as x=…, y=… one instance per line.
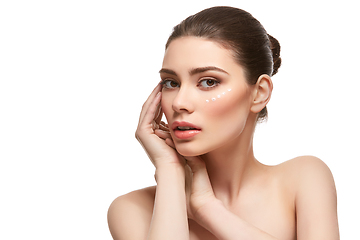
x=189, y=52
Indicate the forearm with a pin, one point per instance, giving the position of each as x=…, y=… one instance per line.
x=169, y=220
x=226, y=225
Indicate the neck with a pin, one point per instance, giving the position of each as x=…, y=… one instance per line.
x=230, y=166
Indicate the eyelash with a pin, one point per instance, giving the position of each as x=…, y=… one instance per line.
x=216, y=83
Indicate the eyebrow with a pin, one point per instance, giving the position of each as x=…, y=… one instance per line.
x=168, y=71
x=194, y=70
x=205, y=69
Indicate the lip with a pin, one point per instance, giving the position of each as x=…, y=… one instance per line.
x=187, y=133
x=183, y=124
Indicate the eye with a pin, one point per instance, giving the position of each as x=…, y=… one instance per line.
x=170, y=84
x=208, y=83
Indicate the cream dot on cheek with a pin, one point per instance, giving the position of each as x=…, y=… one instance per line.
x=213, y=99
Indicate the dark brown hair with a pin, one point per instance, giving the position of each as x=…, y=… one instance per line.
x=235, y=29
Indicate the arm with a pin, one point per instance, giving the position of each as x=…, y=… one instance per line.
x=169, y=219
x=225, y=225
x=129, y=218
x=211, y=213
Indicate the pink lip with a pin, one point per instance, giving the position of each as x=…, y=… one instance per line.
x=187, y=133
x=183, y=124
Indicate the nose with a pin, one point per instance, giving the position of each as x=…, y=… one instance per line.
x=182, y=102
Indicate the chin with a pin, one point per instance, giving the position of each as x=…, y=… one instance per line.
x=190, y=150
x=187, y=152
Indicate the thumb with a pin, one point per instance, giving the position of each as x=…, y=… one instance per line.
x=196, y=164
x=200, y=178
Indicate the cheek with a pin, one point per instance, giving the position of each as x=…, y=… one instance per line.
x=227, y=116
x=224, y=103
x=218, y=95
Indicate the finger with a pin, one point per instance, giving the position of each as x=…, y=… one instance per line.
x=148, y=119
x=170, y=142
x=148, y=102
x=188, y=182
x=159, y=114
x=162, y=134
x=200, y=179
x=163, y=126
x=196, y=164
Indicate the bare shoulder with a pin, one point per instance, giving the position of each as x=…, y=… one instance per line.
x=305, y=167
x=303, y=161
x=305, y=173
x=311, y=176
x=129, y=215
x=315, y=197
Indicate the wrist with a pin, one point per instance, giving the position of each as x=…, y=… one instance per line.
x=209, y=211
x=169, y=171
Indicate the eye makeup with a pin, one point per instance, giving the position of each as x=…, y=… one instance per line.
x=218, y=96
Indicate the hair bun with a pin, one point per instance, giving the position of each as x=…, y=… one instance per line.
x=275, y=49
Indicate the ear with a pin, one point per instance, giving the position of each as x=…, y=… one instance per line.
x=262, y=93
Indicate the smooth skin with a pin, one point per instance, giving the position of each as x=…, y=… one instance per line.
x=211, y=186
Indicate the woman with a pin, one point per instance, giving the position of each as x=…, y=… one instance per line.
x=216, y=83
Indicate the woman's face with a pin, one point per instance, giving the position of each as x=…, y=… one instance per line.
x=205, y=97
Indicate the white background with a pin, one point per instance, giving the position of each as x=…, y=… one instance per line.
x=74, y=75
